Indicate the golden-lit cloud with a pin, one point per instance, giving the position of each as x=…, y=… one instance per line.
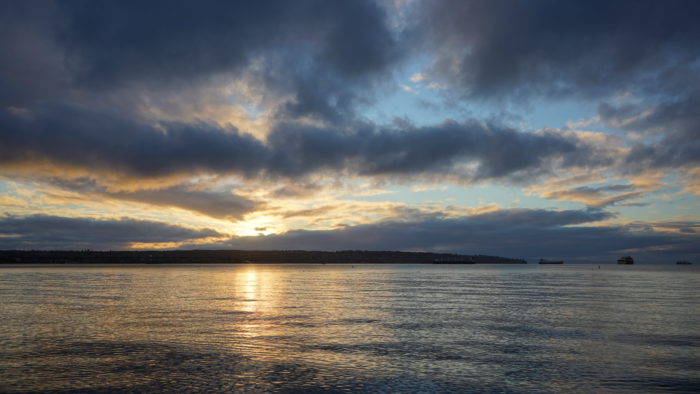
x=692, y=179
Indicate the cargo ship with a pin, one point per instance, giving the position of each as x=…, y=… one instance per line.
x=684, y=263
x=543, y=261
x=625, y=260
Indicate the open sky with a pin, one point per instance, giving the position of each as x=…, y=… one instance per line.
x=528, y=129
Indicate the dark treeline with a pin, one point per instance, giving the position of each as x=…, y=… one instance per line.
x=239, y=257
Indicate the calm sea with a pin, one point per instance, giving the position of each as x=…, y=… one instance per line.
x=362, y=328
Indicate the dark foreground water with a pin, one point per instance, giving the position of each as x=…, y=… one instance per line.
x=365, y=328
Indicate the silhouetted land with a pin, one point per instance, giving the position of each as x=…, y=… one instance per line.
x=239, y=257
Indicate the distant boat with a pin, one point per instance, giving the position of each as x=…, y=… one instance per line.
x=543, y=261
x=625, y=260
x=684, y=263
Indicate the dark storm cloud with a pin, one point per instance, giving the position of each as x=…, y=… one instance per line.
x=521, y=233
x=54, y=232
x=101, y=141
x=495, y=48
x=104, y=141
x=30, y=66
x=324, y=54
x=495, y=152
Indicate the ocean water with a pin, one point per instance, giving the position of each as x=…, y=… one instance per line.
x=362, y=328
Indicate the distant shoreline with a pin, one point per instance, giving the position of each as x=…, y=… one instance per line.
x=57, y=257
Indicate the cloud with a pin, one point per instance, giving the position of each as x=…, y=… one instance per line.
x=469, y=150
x=683, y=226
x=55, y=232
x=317, y=59
x=597, y=190
x=675, y=120
x=295, y=190
x=417, y=77
x=322, y=55
x=102, y=141
x=517, y=49
x=595, y=196
x=692, y=179
x=216, y=204
x=666, y=136
x=31, y=67
x=320, y=59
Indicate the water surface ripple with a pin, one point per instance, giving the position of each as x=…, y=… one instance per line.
x=342, y=328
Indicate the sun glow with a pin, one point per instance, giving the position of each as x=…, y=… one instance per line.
x=262, y=225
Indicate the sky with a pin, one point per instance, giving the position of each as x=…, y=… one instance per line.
x=526, y=129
